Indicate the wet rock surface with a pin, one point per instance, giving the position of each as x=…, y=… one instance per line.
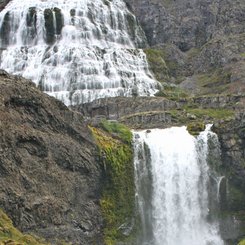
x=50, y=180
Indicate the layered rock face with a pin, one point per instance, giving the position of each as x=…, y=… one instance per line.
x=49, y=178
x=189, y=24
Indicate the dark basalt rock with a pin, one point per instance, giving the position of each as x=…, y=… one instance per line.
x=3, y=3
x=49, y=26
x=59, y=20
x=51, y=31
x=49, y=176
x=31, y=22
x=4, y=30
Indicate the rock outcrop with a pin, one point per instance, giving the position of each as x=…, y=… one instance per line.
x=49, y=177
x=3, y=3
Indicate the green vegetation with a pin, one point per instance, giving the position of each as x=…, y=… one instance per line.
x=200, y=114
x=157, y=63
x=193, y=52
x=117, y=129
x=117, y=201
x=172, y=93
x=242, y=242
x=12, y=236
x=236, y=198
x=214, y=82
x=210, y=113
x=195, y=128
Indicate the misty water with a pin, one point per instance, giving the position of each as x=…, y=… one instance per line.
x=172, y=176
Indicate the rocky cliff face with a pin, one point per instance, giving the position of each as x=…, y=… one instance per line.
x=189, y=24
x=49, y=177
x=202, y=42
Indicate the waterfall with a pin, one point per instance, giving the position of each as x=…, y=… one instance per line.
x=172, y=175
x=77, y=51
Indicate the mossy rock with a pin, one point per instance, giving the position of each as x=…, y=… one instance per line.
x=117, y=201
x=195, y=128
x=172, y=92
x=157, y=64
x=117, y=129
x=11, y=236
x=242, y=242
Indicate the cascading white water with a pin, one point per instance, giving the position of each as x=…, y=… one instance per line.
x=178, y=211
x=75, y=50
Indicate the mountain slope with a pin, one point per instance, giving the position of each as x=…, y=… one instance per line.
x=49, y=179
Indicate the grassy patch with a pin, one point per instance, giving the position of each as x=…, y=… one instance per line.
x=195, y=116
x=214, y=82
x=117, y=202
x=117, y=129
x=157, y=64
x=211, y=113
x=172, y=93
x=10, y=235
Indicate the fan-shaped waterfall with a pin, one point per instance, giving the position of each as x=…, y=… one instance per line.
x=172, y=178
x=75, y=50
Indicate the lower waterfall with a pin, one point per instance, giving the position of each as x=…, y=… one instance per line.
x=172, y=176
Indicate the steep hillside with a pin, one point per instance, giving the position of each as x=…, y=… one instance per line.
x=49, y=178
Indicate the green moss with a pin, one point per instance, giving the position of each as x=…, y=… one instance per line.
x=211, y=113
x=242, y=242
x=172, y=93
x=196, y=115
x=193, y=52
x=236, y=198
x=117, y=129
x=13, y=236
x=214, y=82
x=195, y=128
x=117, y=201
x=157, y=64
